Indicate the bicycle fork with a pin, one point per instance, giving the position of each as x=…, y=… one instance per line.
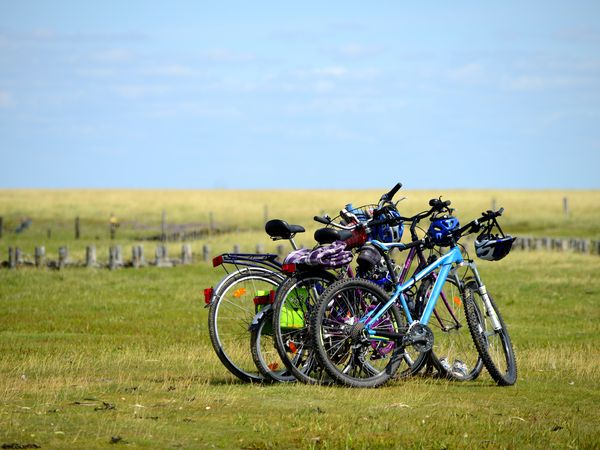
x=489, y=309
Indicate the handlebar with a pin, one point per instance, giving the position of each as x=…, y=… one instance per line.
x=475, y=225
x=387, y=197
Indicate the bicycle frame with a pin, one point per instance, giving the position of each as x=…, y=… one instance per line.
x=445, y=263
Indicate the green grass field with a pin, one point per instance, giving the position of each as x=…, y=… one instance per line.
x=99, y=359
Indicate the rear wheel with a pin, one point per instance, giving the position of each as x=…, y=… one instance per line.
x=493, y=342
x=231, y=312
x=345, y=349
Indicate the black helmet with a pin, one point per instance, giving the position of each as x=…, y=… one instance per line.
x=368, y=258
x=493, y=247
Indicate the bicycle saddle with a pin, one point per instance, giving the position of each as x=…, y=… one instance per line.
x=330, y=235
x=280, y=229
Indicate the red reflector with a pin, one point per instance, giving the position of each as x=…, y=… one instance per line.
x=217, y=260
x=288, y=268
x=261, y=300
x=266, y=299
x=208, y=293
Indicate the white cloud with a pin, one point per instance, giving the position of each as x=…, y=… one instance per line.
x=172, y=70
x=137, y=91
x=540, y=82
x=468, y=73
x=227, y=56
x=117, y=55
x=333, y=71
x=355, y=51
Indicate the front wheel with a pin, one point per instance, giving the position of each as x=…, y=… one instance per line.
x=453, y=355
x=492, y=342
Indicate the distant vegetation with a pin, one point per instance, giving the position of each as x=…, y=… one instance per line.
x=241, y=214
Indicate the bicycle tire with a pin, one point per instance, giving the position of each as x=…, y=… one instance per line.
x=454, y=356
x=295, y=300
x=265, y=355
x=345, y=351
x=229, y=321
x=494, y=346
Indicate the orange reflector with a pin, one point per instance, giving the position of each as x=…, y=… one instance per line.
x=293, y=347
x=239, y=292
x=457, y=301
x=273, y=366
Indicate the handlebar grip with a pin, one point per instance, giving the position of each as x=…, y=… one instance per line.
x=322, y=220
x=438, y=203
x=392, y=192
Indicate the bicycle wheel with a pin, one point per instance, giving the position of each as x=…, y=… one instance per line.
x=494, y=345
x=265, y=356
x=350, y=355
x=231, y=313
x=453, y=355
x=294, y=302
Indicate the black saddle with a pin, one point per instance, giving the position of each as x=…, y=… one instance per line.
x=280, y=229
x=329, y=235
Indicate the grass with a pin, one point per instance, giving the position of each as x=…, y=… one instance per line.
x=96, y=359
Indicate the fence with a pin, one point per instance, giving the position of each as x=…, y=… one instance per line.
x=17, y=258
x=161, y=258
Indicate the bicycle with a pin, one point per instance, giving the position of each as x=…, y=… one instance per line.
x=235, y=301
x=355, y=318
x=231, y=301
x=297, y=295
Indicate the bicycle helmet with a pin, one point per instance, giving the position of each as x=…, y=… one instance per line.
x=493, y=247
x=387, y=233
x=441, y=228
x=368, y=257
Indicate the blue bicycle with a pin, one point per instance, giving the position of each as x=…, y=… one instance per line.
x=355, y=320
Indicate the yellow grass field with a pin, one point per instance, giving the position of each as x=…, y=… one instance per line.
x=527, y=213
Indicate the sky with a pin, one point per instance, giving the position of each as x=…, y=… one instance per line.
x=287, y=95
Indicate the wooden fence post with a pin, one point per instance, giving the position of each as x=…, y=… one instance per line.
x=163, y=226
x=260, y=248
x=40, y=256
x=236, y=248
x=211, y=223
x=63, y=256
x=162, y=257
x=1, y=226
x=90, y=256
x=566, y=206
x=186, y=254
x=205, y=253
x=49, y=233
x=137, y=256
x=493, y=204
x=12, y=258
x=112, y=257
x=77, y=228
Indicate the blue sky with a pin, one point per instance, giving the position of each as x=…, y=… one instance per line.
x=333, y=94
